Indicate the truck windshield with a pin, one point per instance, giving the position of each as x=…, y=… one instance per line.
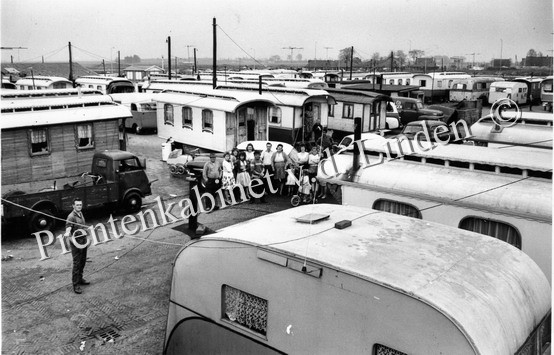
x=129, y=165
x=419, y=105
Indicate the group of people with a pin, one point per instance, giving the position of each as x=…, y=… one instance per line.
x=240, y=168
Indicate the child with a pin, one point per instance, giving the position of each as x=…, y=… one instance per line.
x=305, y=185
x=243, y=173
x=291, y=180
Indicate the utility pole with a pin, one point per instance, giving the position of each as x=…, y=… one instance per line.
x=391, y=61
x=195, y=69
x=292, y=49
x=104, y=66
x=70, y=65
x=118, y=63
x=351, y=60
x=169, y=56
x=214, y=60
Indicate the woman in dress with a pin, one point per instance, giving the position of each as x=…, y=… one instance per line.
x=243, y=173
x=303, y=157
x=249, y=153
x=227, y=178
x=279, y=161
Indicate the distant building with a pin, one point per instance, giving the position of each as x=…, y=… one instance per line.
x=139, y=72
x=497, y=63
x=537, y=61
x=457, y=63
x=425, y=64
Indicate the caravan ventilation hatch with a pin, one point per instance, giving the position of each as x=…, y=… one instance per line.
x=312, y=218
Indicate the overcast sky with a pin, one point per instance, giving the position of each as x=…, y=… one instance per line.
x=98, y=29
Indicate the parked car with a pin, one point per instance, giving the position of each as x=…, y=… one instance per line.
x=429, y=129
x=411, y=110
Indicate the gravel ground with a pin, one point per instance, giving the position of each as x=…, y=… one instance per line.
x=124, y=310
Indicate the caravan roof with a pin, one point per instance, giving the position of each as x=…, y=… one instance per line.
x=464, y=276
x=59, y=110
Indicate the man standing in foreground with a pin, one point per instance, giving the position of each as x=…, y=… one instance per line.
x=211, y=175
x=75, y=229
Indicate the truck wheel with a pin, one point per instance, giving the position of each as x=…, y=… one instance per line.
x=138, y=129
x=39, y=221
x=132, y=202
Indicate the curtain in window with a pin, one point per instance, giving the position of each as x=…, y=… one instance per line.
x=396, y=207
x=495, y=229
x=187, y=117
x=38, y=136
x=207, y=119
x=168, y=114
x=84, y=131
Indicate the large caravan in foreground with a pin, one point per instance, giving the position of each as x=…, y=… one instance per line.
x=503, y=193
x=331, y=279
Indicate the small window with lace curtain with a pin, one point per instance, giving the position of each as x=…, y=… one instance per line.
x=245, y=310
x=397, y=207
x=495, y=229
x=207, y=121
x=84, y=136
x=39, y=141
x=187, y=117
x=275, y=115
x=168, y=114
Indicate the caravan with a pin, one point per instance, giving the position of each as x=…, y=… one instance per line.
x=331, y=279
x=512, y=90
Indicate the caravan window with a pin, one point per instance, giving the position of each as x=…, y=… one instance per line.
x=348, y=111
x=39, y=141
x=423, y=83
x=496, y=229
x=399, y=81
x=407, y=81
x=168, y=114
x=187, y=117
x=331, y=110
x=396, y=207
x=244, y=309
x=84, y=136
x=275, y=115
x=207, y=121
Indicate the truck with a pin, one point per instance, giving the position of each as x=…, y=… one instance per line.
x=117, y=179
x=412, y=110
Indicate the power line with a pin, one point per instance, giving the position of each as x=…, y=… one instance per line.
x=245, y=52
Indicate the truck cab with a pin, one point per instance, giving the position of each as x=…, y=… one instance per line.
x=412, y=110
x=117, y=178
